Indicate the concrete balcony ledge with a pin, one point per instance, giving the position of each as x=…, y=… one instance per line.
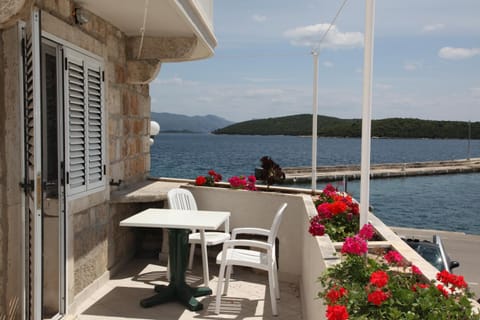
x=145, y=191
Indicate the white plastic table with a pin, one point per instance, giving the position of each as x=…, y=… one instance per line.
x=178, y=223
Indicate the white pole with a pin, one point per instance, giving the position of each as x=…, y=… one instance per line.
x=314, y=121
x=469, y=138
x=366, y=111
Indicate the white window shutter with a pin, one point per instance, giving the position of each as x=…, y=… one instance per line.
x=95, y=120
x=85, y=152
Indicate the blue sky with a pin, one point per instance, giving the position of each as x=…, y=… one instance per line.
x=426, y=61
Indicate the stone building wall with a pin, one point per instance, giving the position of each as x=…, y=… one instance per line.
x=93, y=224
x=3, y=247
x=127, y=105
x=128, y=118
x=90, y=245
x=11, y=212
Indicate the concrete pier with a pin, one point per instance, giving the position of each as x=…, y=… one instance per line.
x=384, y=170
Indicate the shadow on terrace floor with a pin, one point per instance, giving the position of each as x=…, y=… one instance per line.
x=247, y=298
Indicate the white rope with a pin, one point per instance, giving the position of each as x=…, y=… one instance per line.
x=142, y=30
x=330, y=26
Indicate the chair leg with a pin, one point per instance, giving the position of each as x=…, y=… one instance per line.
x=277, y=284
x=227, y=279
x=206, y=276
x=168, y=269
x=190, y=259
x=273, y=299
x=219, y=288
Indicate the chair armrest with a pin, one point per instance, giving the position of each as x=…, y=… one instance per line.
x=246, y=243
x=259, y=231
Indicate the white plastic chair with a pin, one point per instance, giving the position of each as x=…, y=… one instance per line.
x=265, y=259
x=182, y=199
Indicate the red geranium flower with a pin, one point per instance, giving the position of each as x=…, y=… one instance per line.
x=316, y=227
x=200, y=181
x=334, y=294
x=449, y=278
x=443, y=290
x=355, y=209
x=377, y=297
x=337, y=312
x=338, y=207
x=419, y=285
x=379, y=278
x=324, y=210
x=416, y=270
x=217, y=177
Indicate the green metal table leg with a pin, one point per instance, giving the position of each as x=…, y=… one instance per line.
x=177, y=289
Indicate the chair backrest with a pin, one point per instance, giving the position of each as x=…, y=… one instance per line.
x=276, y=224
x=181, y=199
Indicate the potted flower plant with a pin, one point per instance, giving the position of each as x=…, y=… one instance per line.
x=386, y=286
x=208, y=180
x=337, y=215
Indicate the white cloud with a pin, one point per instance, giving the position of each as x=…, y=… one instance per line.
x=412, y=65
x=311, y=35
x=475, y=92
x=262, y=92
x=176, y=81
x=259, y=18
x=458, y=53
x=328, y=64
x=383, y=86
x=433, y=27
x=260, y=80
x=205, y=99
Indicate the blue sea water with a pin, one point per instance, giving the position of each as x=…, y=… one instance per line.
x=445, y=202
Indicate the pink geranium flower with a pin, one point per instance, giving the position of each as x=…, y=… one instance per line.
x=393, y=257
x=355, y=245
x=367, y=232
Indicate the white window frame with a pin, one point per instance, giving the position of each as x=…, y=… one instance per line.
x=81, y=117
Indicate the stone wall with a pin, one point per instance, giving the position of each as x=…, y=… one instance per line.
x=100, y=244
x=3, y=246
x=10, y=175
x=128, y=118
x=93, y=225
x=90, y=245
x=124, y=243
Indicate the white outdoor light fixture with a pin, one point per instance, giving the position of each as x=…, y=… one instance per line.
x=154, y=130
x=81, y=15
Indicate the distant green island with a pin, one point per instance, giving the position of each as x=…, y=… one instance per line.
x=301, y=125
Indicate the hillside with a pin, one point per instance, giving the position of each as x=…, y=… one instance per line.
x=301, y=125
x=170, y=122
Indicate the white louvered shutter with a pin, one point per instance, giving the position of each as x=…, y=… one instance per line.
x=85, y=126
x=95, y=165
x=32, y=156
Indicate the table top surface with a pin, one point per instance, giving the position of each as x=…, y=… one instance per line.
x=177, y=219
